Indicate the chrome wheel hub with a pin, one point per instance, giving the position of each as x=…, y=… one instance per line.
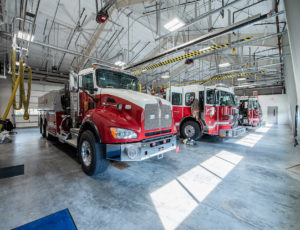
x=189, y=131
x=86, y=153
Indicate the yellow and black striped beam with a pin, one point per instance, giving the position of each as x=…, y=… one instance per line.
x=188, y=55
x=215, y=79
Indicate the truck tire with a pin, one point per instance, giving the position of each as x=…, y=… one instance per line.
x=191, y=129
x=91, y=154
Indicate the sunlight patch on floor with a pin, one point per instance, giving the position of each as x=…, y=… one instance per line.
x=262, y=129
x=173, y=204
x=250, y=140
x=176, y=200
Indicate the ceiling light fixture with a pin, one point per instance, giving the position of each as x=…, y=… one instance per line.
x=224, y=64
x=206, y=48
x=120, y=63
x=174, y=24
x=25, y=36
x=165, y=76
x=241, y=79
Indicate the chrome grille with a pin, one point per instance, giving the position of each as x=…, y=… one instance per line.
x=157, y=116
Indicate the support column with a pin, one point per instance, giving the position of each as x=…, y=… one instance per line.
x=292, y=8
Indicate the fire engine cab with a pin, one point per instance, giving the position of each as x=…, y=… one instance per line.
x=218, y=111
x=103, y=115
x=250, y=111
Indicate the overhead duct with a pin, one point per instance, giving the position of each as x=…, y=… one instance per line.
x=209, y=36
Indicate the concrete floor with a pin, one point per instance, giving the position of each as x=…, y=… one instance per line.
x=233, y=184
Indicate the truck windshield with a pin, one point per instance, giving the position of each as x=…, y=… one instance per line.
x=117, y=80
x=227, y=99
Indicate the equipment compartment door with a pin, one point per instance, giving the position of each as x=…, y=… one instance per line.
x=176, y=100
x=211, y=110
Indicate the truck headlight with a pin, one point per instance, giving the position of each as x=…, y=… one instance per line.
x=119, y=133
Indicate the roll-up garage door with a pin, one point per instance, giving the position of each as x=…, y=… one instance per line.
x=37, y=89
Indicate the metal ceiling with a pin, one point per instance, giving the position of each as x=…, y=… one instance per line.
x=66, y=36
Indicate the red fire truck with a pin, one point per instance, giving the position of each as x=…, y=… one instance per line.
x=218, y=114
x=103, y=115
x=250, y=111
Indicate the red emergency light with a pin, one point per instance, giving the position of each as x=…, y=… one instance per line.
x=102, y=16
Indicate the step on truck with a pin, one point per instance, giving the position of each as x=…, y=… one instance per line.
x=218, y=111
x=250, y=111
x=102, y=114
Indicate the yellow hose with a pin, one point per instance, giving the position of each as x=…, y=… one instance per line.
x=15, y=84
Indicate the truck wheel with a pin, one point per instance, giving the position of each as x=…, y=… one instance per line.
x=91, y=154
x=191, y=129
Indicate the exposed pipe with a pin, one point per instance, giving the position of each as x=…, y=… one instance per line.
x=108, y=64
x=33, y=27
x=166, y=8
x=245, y=8
x=139, y=52
x=199, y=18
x=71, y=37
x=278, y=37
x=209, y=36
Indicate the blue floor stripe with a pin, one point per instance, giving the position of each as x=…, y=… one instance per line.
x=61, y=220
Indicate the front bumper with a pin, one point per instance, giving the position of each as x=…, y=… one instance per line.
x=141, y=150
x=232, y=132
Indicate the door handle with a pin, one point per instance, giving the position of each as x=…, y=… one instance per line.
x=176, y=111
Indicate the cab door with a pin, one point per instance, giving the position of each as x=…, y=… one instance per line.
x=211, y=110
x=86, y=103
x=175, y=97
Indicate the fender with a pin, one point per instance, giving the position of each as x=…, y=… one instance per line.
x=89, y=125
x=191, y=118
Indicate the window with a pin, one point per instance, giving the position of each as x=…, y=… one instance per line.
x=210, y=97
x=189, y=98
x=176, y=99
x=31, y=111
x=255, y=104
x=88, y=81
x=201, y=100
x=118, y=80
x=227, y=99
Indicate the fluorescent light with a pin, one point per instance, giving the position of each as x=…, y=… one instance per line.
x=25, y=36
x=2, y=77
x=165, y=76
x=120, y=63
x=224, y=64
x=174, y=24
x=241, y=79
x=206, y=48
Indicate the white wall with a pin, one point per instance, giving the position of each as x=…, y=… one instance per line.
x=5, y=92
x=37, y=89
x=289, y=81
x=280, y=100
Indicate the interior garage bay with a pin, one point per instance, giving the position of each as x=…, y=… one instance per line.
x=150, y=114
